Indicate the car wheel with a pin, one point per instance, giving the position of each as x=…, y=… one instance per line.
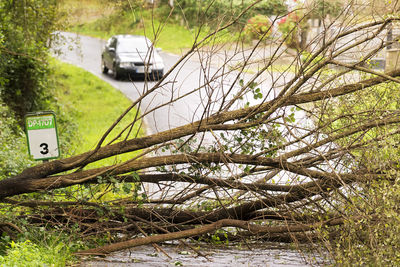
x=131, y=77
x=116, y=74
x=157, y=75
x=104, y=69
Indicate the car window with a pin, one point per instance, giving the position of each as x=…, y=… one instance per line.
x=133, y=45
x=113, y=43
x=109, y=42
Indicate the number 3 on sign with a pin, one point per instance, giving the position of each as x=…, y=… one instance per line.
x=41, y=132
x=45, y=148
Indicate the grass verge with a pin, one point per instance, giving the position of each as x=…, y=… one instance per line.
x=85, y=106
x=94, y=106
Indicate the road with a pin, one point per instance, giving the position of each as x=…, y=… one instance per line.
x=85, y=52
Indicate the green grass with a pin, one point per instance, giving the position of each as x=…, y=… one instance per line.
x=84, y=11
x=93, y=105
x=99, y=19
x=170, y=35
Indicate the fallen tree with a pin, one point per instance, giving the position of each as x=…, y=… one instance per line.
x=273, y=155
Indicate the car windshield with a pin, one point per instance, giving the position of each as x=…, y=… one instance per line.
x=133, y=45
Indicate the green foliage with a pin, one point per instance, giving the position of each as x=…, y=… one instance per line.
x=322, y=8
x=188, y=19
x=371, y=234
x=258, y=27
x=213, y=13
x=220, y=236
x=271, y=7
x=26, y=30
x=13, y=147
x=37, y=246
x=31, y=255
x=173, y=38
x=210, y=12
x=355, y=108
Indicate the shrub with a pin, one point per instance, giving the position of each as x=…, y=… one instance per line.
x=258, y=27
x=26, y=31
x=271, y=7
x=194, y=12
x=29, y=254
x=294, y=28
x=13, y=149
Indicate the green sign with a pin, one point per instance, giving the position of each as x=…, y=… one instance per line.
x=41, y=132
x=40, y=122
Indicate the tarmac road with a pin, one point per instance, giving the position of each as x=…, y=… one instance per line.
x=85, y=52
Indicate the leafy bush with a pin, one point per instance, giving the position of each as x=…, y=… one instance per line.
x=271, y=7
x=26, y=31
x=31, y=255
x=258, y=27
x=13, y=149
x=207, y=12
x=195, y=12
x=294, y=29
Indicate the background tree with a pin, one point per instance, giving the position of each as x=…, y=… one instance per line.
x=26, y=31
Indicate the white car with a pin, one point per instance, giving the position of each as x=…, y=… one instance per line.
x=133, y=56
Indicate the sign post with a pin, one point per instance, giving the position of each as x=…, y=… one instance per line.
x=41, y=133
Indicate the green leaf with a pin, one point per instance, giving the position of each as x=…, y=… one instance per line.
x=135, y=177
